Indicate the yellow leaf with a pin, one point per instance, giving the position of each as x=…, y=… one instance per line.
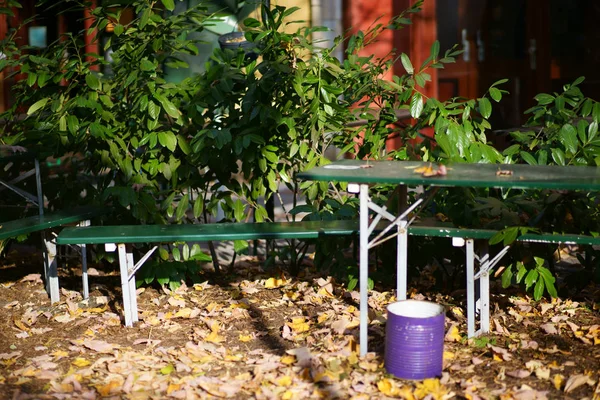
x=272, y=283
x=30, y=371
x=352, y=346
x=96, y=310
x=431, y=387
x=558, y=381
x=287, y=395
x=497, y=357
x=240, y=305
x=109, y=388
x=58, y=354
x=213, y=306
x=387, y=387
x=298, y=325
x=183, y=313
x=284, y=381
x=352, y=358
x=453, y=335
x=167, y=370
x=245, y=338
x=152, y=320
x=89, y=332
x=448, y=355
x=288, y=359
x=324, y=292
x=173, y=387
x=19, y=324
x=322, y=318
x=80, y=362
x=233, y=357
x=214, y=336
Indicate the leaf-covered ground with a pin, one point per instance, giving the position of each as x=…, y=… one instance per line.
x=261, y=334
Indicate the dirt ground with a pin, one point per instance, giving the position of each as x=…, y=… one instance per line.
x=261, y=334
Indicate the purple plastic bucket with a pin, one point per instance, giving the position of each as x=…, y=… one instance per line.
x=414, y=339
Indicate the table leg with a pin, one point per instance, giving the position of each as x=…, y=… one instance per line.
x=364, y=268
x=402, y=259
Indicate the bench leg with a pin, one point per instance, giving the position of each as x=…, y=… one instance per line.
x=84, y=269
x=132, y=292
x=125, y=287
x=50, y=268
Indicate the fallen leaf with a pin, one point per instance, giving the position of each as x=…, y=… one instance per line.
x=519, y=373
x=431, y=387
x=99, y=346
x=453, y=335
x=549, y=328
x=273, y=283
x=575, y=381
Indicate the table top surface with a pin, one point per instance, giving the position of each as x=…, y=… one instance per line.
x=519, y=176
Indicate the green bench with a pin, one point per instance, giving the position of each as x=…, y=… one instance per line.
x=466, y=237
x=117, y=237
x=43, y=221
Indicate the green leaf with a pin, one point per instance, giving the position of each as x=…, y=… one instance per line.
x=544, y=99
x=592, y=131
x=507, y=277
x=168, y=140
x=238, y=210
x=240, y=246
x=153, y=109
x=568, y=137
x=495, y=94
x=92, y=81
x=62, y=124
x=169, y=107
x=530, y=279
x=182, y=208
x=37, y=105
x=176, y=254
x=521, y=271
x=406, y=63
x=548, y=280
x=435, y=50
x=558, y=156
x=510, y=235
x=538, y=290
x=198, y=206
x=416, y=105
x=528, y=158
x=185, y=252
x=163, y=253
x=147, y=65
x=485, y=107
x=169, y=4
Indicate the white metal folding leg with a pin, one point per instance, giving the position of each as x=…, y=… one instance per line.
x=50, y=268
x=367, y=227
x=127, y=270
x=483, y=276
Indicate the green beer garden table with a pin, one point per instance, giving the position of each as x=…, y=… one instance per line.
x=361, y=174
